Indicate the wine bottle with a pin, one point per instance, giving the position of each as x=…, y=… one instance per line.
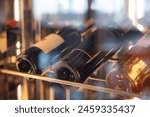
x=89, y=55
x=77, y=65
x=130, y=72
x=52, y=48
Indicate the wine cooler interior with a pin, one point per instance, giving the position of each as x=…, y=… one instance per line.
x=87, y=40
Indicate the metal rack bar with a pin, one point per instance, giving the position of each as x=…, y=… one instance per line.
x=72, y=84
x=96, y=79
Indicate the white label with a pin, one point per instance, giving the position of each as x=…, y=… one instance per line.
x=49, y=43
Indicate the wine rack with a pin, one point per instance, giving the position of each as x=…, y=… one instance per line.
x=86, y=86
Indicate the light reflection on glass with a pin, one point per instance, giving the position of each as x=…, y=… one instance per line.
x=136, y=69
x=140, y=27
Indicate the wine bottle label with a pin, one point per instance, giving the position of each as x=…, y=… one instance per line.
x=136, y=68
x=49, y=43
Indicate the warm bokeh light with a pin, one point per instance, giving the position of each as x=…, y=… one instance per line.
x=16, y=10
x=131, y=46
x=137, y=68
x=13, y=59
x=18, y=51
x=135, y=98
x=132, y=10
x=140, y=8
x=136, y=10
x=19, y=92
x=18, y=44
x=140, y=27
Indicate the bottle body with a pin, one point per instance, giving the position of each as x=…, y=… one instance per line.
x=52, y=48
x=87, y=56
x=48, y=51
x=129, y=73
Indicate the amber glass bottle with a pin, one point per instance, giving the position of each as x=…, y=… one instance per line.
x=129, y=73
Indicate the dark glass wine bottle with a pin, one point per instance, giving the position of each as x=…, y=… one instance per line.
x=82, y=61
x=130, y=73
x=52, y=48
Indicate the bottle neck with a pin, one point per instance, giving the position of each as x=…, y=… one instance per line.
x=144, y=41
x=131, y=33
x=83, y=31
x=88, y=24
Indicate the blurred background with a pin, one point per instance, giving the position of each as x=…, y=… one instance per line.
x=25, y=22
